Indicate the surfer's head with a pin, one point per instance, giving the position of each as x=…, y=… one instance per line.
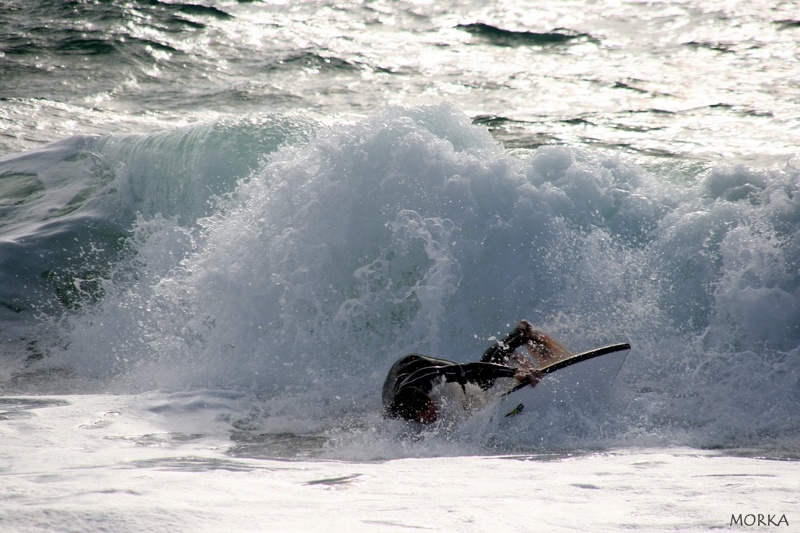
x=412, y=403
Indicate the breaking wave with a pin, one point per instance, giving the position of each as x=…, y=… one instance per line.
x=297, y=262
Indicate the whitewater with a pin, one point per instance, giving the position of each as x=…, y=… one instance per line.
x=221, y=223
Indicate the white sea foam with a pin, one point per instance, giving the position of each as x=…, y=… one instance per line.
x=414, y=231
x=192, y=228
x=158, y=461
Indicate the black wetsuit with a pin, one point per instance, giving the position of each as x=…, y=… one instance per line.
x=422, y=372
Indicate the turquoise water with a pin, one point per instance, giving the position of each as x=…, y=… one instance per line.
x=281, y=200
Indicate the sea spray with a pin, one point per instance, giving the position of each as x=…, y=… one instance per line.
x=68, y=207
x=413, y=231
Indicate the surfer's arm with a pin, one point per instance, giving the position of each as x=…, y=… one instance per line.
x=540, y=345
x=501, y=352
x=528, y=377
x=481, y=374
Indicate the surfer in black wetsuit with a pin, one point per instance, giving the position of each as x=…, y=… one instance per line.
x=407, y=390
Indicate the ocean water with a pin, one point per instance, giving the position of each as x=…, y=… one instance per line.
x=222, y=222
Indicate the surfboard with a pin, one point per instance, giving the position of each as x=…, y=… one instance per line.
x=587, y=382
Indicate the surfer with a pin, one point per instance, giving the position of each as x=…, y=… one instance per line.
x=407, y=392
